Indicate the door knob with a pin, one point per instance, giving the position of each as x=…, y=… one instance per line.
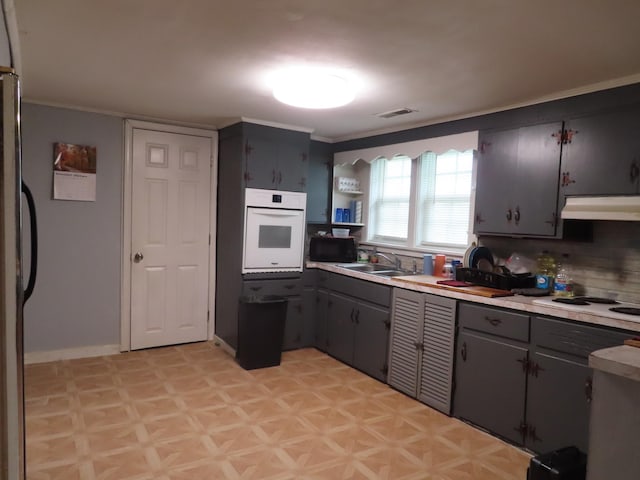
x=138, y=257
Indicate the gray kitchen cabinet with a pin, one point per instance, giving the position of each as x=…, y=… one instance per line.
x=276, y=159
x=559, y=381
x=601, y=154
x=319, y=182
x=291, y=289
x=340, y=327
x=321, y=312
x=526, y=379
x=352, y=322
x=421, y=347
x=490, y=384
x=249, y=155
x=371, y=339
x=517, y=181
x=265, y=157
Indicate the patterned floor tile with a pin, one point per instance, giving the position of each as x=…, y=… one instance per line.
x=190, y=412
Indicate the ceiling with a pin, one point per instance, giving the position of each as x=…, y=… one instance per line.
x=207, y=62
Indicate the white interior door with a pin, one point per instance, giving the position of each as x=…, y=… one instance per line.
x=170, y=218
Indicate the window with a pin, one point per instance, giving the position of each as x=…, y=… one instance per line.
x=422, y=203
x=444, y=197
x=389, y=199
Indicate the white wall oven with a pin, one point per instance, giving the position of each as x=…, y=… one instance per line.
x=274, y=231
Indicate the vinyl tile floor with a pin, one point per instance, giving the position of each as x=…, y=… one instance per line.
x=190, y=412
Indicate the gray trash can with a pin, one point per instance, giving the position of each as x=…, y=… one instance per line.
x=260, y=331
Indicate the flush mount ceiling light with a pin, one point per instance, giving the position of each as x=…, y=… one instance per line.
x=312, y=88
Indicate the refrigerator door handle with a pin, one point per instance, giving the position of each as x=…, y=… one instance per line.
x=33, y=227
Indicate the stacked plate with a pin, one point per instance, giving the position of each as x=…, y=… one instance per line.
x=478, y=257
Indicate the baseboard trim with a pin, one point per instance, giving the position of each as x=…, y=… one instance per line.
x=224, y=346
x=70, y=353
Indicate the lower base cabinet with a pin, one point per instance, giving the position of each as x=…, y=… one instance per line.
x=525, y=378
x=352, y=322
x=296, y=328
x=421, y=347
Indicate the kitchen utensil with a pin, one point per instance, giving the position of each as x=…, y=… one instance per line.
x=485, y=265
x=427, y=281
x=438, y=266
x=340, y=232
x=427, y=264
x=480, y=253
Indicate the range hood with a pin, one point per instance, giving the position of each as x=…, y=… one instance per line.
x=625, y=208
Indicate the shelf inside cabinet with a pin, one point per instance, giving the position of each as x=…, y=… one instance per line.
x=350, y=192
x=350, y=224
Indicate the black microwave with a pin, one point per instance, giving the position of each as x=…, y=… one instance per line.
x=333, y=249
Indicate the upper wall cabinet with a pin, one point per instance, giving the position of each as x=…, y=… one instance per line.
x=517, y=181
x=319, y=183
x=267, y=157
x=601, y=154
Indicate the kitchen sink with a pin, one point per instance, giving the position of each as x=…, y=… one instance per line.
x=366, y=267
x=392, y=273
x=375, y=269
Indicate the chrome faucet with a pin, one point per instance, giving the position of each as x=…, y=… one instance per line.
x=396, y=260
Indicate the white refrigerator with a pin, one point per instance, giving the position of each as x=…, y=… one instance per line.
x=13, y=292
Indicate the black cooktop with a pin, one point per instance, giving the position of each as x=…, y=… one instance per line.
x=584, y=300
x=627, y=310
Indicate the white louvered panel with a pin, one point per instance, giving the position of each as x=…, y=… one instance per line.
x=437, y=356
x=403, y=357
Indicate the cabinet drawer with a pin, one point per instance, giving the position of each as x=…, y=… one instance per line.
x=503, y=323
x=281, y=287
x=572, y=338
x=361, y=289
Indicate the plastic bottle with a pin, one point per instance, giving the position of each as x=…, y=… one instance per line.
x=563, y=286
x=546, y=271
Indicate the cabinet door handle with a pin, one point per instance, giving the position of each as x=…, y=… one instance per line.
x=463, y=351
x=255, y=289
x=387, y=324
x=352, y=315
x=493, y=321
x=357, y=317
x=273, y=176
x=479, y=218
x=525, y=364
x=535, y=368
x=279, y=177
x=531, y=431
x=522, y=429
x=289, y=287
x=516, y=215
x=509, y=215
x=588, y=389
x=566, y=179
x=634, y=172
x=554, y=220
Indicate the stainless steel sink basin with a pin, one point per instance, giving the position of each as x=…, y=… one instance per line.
x=392, y=273
x=375, y=269
x=366, y=267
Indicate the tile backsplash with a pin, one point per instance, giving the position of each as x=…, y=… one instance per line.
x=608, y=266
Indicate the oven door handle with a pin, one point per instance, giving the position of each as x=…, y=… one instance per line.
x=278, y=213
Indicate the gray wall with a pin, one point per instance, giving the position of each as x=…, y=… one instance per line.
x=76, y=302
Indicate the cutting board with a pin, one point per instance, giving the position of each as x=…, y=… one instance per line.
x=429, y=281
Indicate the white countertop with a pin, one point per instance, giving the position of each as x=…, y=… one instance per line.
x=516, y=302
x=623, y=361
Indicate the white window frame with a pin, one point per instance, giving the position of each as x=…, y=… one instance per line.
x=459, y=141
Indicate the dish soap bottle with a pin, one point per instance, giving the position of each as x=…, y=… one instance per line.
x=563, y=286
x=546, y=272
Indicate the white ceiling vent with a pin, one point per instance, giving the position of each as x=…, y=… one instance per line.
x=395, y=113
